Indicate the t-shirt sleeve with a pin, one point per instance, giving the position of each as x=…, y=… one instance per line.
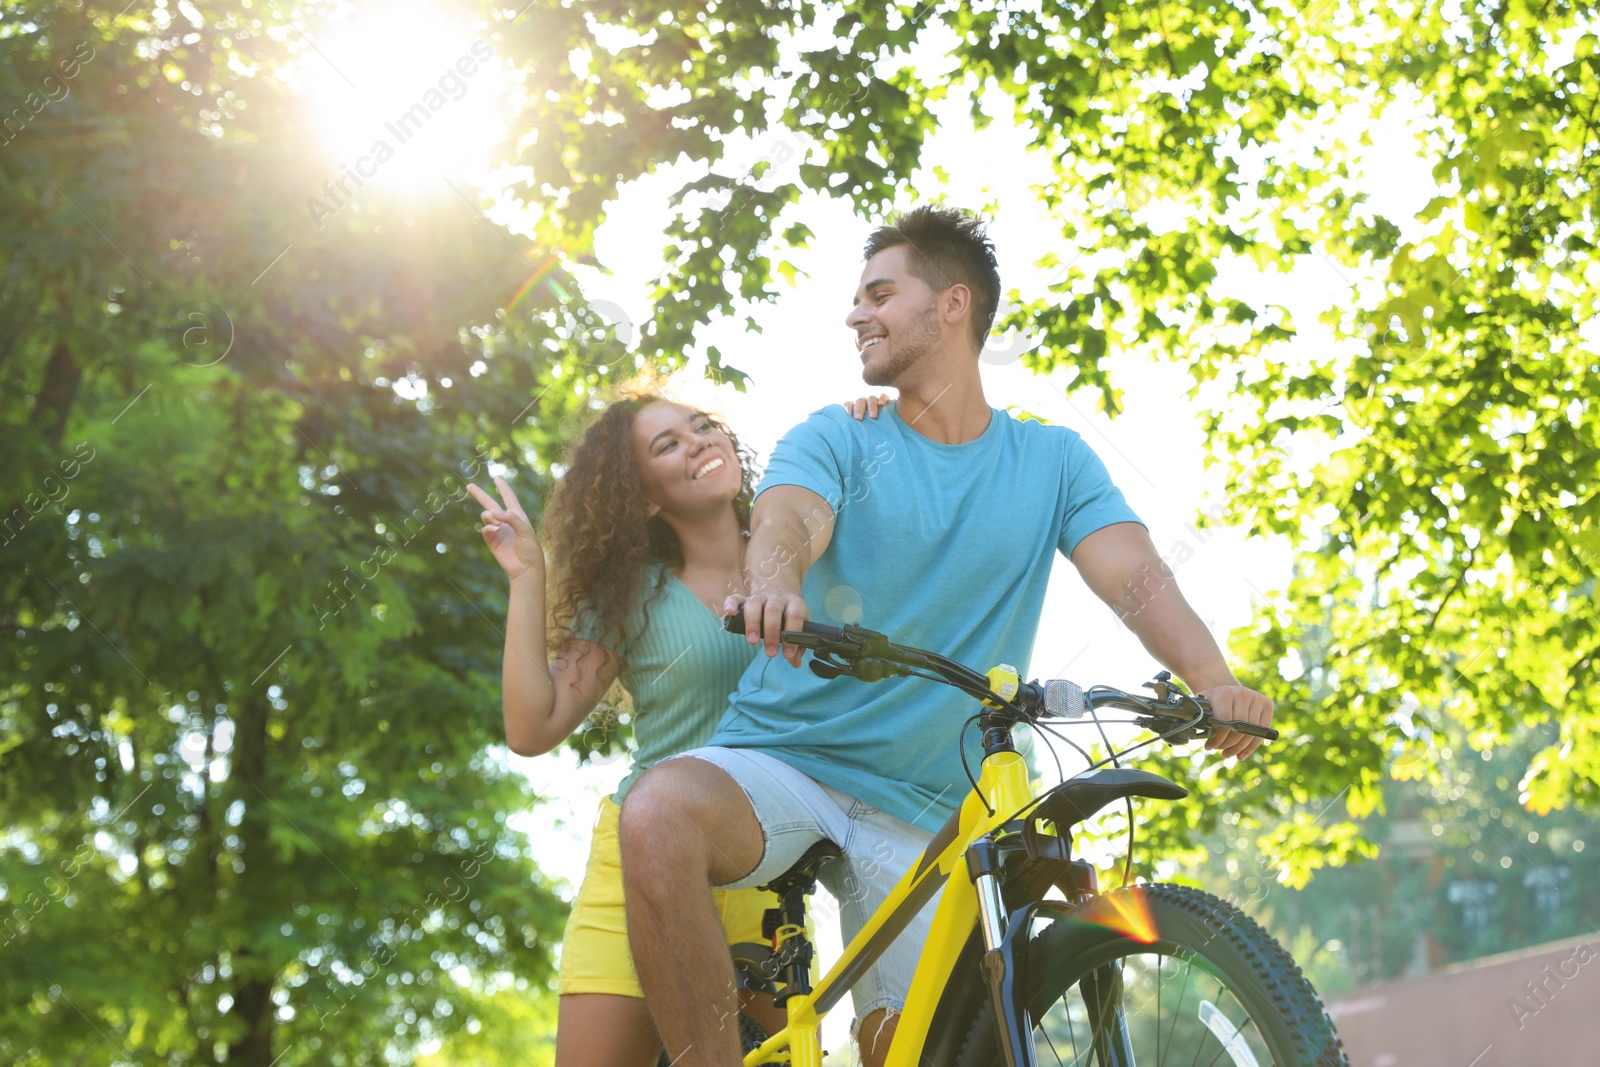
x=1093, y=501
x=815, y=455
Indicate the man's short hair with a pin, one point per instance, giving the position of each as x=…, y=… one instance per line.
x=946, y=247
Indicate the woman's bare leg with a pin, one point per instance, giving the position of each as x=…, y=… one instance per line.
x=605, y=1030
x=760, y=1008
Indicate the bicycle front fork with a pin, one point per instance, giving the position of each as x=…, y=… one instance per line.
x=1005, y=947
x=1000, y=954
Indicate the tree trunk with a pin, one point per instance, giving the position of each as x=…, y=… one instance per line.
x=252, y=997
x=252, y=1002
x=62, y=375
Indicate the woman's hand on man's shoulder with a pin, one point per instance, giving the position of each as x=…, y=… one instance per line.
x=863, y=406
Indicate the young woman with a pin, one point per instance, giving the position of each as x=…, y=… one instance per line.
x=648, y=529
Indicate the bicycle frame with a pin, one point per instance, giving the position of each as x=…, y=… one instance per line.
x=1003, y=789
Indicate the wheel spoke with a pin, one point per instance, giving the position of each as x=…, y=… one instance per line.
x=1052, y=1044
x=1198, y=1047
x=1188, y=969
x=1221, y=1048
x=1183, y=994
x=1159, y=1059
x=1119, y=1011
x=1072, y=1032
x=1239, y=1031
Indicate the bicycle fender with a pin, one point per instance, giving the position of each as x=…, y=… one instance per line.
x=1079, y=799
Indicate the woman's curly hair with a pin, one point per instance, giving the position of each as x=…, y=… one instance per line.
x=599, y=534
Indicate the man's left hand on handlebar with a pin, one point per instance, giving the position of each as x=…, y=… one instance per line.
x=1241, y=704
x=767, y=614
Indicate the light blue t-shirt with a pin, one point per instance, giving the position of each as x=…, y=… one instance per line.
x=945, y=547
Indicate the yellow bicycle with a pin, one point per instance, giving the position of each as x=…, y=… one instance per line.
x=1026, y=961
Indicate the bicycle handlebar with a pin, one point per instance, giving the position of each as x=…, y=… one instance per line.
x=870, y=656
x=734, y=624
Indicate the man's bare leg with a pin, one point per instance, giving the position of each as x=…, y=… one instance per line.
x=685, y=827
x=875, y=1034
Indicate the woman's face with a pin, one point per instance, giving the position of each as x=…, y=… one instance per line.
x=686, y=465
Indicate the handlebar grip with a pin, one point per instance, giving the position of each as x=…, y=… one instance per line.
x=1250, y=729
x=734, y=624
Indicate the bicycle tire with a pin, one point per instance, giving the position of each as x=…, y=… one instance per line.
x=1262, y=1010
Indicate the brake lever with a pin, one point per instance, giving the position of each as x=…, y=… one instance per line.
x=825, y=665
x=1173, y=729
x=1168, y=692
x=825, y=670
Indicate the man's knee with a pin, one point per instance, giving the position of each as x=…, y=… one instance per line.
x=652, y=818
x=692, y=813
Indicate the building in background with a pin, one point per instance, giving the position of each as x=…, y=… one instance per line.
x=1531, y=1007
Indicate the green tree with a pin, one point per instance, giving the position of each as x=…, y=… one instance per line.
x=1461, y=871
x=253, y=812
x=1451, y=529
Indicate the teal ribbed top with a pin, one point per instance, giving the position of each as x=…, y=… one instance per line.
x=680, y=669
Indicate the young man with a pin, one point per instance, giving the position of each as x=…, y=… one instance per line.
x=937, y=525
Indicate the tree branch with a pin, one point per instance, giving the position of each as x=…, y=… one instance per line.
x=1455, y=587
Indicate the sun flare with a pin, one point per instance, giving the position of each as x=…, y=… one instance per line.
x=404, y=99
x=1130, y=915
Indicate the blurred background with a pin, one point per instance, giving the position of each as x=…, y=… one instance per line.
x=1317, y=282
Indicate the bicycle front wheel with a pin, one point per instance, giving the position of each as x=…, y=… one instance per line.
x=1157, y=975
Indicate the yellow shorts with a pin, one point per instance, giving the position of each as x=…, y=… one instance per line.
x=594, y=949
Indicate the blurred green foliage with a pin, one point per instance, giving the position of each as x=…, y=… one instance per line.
x=1461, y=871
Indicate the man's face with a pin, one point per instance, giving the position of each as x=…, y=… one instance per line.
x=896, y=317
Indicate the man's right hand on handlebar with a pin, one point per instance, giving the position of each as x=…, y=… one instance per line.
x=1241, y=703
x=767, y=613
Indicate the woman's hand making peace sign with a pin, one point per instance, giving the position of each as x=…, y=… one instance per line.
x=508, y=533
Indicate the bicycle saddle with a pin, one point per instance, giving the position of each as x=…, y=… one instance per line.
x=805, y=868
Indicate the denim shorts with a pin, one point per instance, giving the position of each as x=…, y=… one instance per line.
x=795, y=812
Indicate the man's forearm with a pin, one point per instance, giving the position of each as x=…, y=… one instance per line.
x=779, y=553
x=789, y=528
x=1123, y=568
x=1155, y=610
